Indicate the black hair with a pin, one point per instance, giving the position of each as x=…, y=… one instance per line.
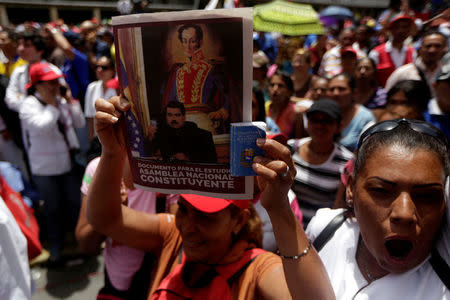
x=317, y=78
x=260, y=102
x=405, y=137
x=36, y=39
x=286, y=79
x=416, y=91
x=350, y=79
x=11, y=34
x=198, y=31
x=372, y=62
x=431, y=32
x=176, y=104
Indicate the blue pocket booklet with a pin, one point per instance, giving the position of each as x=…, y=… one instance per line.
x=243, y=146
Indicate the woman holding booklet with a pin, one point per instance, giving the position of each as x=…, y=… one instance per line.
x=210, y=248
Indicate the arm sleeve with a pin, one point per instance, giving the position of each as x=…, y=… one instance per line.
x=89, y=107
x=36, y=118
x=77, y=114
x=374, y=56
x=88, y=175
x=14, y=96
x=81, y=68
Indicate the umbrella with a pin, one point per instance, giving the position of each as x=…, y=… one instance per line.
x=286, y=18
x=337, y=12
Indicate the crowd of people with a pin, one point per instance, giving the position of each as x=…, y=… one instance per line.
x=351, y=197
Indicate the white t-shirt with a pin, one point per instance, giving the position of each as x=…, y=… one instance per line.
x=95, y=91
x=338, y=256
x=16, y=279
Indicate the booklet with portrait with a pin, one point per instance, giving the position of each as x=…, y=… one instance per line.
x=187, y=76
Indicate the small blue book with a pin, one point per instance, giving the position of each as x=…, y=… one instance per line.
x=243, y=146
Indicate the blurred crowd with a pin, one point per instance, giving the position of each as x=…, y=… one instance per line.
x=316, y=93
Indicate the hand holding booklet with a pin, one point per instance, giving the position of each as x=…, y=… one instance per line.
x=187, y=76
x=243, y=147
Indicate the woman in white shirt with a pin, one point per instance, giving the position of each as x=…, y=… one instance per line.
x=398, y=216
x=48, y=122
x=104, y=71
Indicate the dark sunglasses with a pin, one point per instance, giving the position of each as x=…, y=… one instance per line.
x=104, y=68
x=416, y=125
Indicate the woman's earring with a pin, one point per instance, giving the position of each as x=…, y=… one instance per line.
x=350, y=203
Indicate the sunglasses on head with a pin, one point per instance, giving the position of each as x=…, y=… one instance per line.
x=416, y=125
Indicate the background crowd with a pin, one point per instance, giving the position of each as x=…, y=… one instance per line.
x=316, y=93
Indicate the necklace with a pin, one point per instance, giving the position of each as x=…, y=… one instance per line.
x=363, y=265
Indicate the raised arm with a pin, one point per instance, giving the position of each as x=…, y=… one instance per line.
x=306, y=276
x=104, y=209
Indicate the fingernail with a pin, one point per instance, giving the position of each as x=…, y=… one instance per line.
x=123, y=102
x=260, y=141
x=114, y=119
x=257, y=159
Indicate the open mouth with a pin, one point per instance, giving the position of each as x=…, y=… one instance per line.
x=398, y=249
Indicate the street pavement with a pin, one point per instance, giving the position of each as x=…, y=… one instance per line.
x=80, y=279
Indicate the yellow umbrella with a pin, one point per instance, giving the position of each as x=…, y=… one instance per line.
x=287, y=18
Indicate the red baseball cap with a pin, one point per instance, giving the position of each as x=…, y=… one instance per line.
x=400, y=17
x=212, y=205
x=41, y=72
x=349, y=49
x=279, y=137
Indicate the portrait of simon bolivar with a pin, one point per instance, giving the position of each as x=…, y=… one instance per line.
x=201, y=67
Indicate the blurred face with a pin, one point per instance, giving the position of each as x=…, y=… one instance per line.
x=362, y=35
x=175, y=118
x=300, y=62
x=364, y=70
x=442, y=90
x=322, y=127
x=48, y=88
x=347, y=38
x=103, y=69
x=339, y=90
x=206, y=237
x=319, y=89
x=399, y=204
x=278, y=90
x=348, y=62
x=6, y=44
x=400, y=30
x=432, y=49
x=190, y=41
x=28, y=51
x=88, y=31
x=400, y=107
x=322, y=40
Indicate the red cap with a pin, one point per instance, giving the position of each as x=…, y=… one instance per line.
x=41, y=72
x=400, y=17
x=279, y=137
x=349, y=49
x=212, y=205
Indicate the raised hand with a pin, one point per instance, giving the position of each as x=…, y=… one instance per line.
x=276, y=172
x=106, y=118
